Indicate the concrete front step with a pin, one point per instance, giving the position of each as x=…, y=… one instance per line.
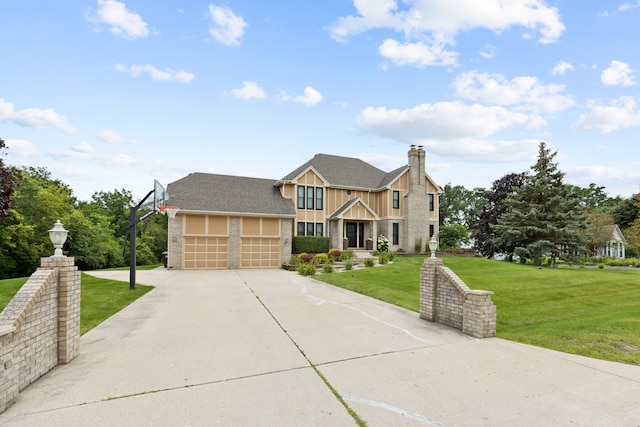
x=362, y=254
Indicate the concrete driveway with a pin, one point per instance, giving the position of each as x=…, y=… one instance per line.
x=273, y=348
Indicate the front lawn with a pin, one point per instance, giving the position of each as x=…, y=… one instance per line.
x=586, y=311
x=99, y=298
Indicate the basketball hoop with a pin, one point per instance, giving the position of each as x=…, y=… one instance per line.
x=170, y=211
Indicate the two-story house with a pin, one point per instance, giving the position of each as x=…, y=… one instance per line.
x=240, y=222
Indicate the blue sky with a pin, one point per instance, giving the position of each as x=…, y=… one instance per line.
x=114, y=94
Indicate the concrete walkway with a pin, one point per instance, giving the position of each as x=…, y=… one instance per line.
x=254, y=347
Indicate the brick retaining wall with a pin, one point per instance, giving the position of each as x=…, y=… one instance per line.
x=40, y=327
x=446, y=299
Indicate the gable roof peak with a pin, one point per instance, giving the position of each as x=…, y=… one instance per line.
x=340, y=171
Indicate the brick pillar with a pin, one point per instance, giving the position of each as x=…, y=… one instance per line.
x=68, y=306
x=479, y=315
x=428, y=282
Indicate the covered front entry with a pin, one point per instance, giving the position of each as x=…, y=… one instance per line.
x=354, y=222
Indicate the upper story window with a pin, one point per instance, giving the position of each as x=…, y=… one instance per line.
x=432, y=203
x=300, y=196
x=310, y=197
x=319, y=198
x=396, y=199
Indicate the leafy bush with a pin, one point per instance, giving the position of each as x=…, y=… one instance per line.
x=327, y=268
x=385, y=257
x=322, y=258
x=295, y=260
x=334, y=253
x=307, y=270
x=631, y=251
x=346, y=255
x=305, y=258
x=369, y=262
x=418, y=245
x=310, y=244
x=383, y=243
x=348, y=265
x=627, y=262
x=601, y=266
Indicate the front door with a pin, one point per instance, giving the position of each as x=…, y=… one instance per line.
x=352, y=234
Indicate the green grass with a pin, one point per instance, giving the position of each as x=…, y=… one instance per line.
x=586, y=311
x=397, y=283
x=8, y=288
x=102, y=298
x=99, y=298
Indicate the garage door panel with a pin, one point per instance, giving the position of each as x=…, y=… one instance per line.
x=205, y=252
x=260, y=252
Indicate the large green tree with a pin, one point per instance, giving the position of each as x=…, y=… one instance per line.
x=115, y=204
x=544, y=216
x=457, y=205
x=453, y=236
x=626, y=212
x=38, y=201
x=7, y=183
x=493, y=207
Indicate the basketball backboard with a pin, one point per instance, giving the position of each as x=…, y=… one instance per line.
x=159, y=195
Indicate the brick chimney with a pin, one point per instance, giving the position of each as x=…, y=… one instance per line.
x=416, y=225
x=417, y=167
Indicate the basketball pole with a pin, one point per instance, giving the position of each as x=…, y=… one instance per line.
x=133, y=221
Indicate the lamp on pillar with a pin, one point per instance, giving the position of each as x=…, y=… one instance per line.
x=433, y=245
x=58, y=236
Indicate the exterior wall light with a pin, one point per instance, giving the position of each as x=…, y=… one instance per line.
x=433, y=245
x=58, y=236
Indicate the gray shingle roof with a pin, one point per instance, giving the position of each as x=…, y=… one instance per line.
x=232, y=194
x=347, y=172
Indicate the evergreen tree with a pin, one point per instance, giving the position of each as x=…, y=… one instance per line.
x=493, y=207
x=545, y=216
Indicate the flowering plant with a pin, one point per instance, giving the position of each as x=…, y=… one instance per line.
x=383, y=243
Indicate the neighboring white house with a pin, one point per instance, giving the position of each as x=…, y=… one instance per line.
x=615, y=247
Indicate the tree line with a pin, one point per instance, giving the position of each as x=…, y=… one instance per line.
x=535, y=213
x=31, y=201
x=529, y=214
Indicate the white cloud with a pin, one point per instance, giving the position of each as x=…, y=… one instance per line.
x=488, y=51
x=524, y=92
x=155, y=74
x=120, y=21
x=310, y=97
x=624, y=176
x=620, y=113
x=84, y=151
x=622, y=8
x=112, y=137
x=440, y=120
x=35, y=118
x=83, y=148
x=249, y=90
x=21, y=148
x=561, y=68
x=419, y=54
x=618, y=74
x=228, y=28
x=430, y=26
x=452, y=129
